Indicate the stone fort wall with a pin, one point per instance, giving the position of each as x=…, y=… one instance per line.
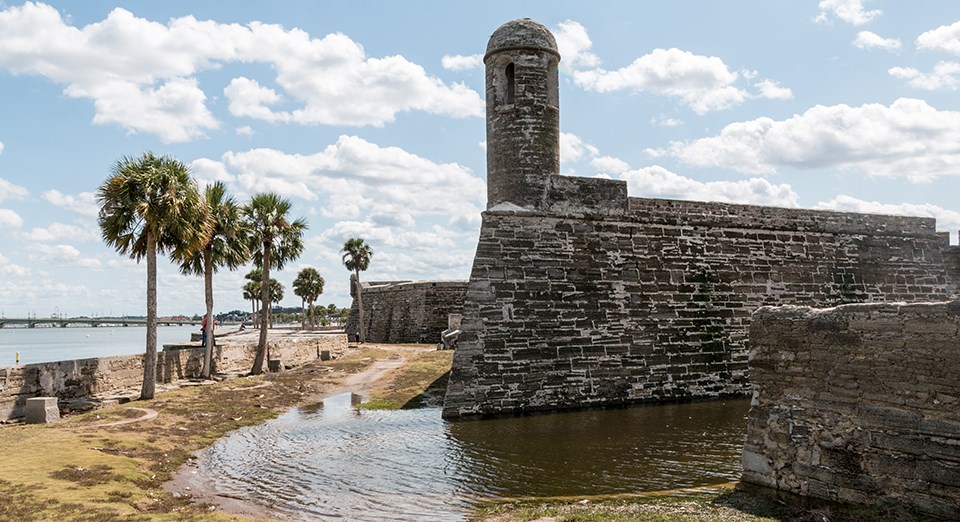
x=582, y=296
x=860, y=403
x=574, y=308
x=407, y=311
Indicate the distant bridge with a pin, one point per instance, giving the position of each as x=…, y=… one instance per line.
x=54, y=322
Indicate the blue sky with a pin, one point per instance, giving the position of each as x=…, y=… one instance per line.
x=369, y=117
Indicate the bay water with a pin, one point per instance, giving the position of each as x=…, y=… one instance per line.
x=47, y=344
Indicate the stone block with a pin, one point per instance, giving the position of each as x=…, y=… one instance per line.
x=42, y=410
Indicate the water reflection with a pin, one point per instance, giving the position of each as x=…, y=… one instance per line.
x=332, y=460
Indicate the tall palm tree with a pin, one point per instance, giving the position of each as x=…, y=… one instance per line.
x=148, y=205
x=308, y=286
x=278, y=241
x=226, y=245
x=356, y=257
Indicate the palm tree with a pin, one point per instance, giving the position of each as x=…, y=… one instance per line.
x=308, y=286
x=276, y=295
x=278, y=241
x=356, y=257
x=226, y=245
x=148, y=205
x=251, y=291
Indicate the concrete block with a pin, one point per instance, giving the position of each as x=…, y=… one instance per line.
x=42, y=410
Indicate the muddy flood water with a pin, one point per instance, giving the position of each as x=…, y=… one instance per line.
x=335, y=461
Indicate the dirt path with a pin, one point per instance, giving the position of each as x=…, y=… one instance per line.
x=190, y=481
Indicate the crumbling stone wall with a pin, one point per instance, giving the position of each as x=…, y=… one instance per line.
x=654, y=304
x=82, y=378
x=407, y=311
x=859, y=403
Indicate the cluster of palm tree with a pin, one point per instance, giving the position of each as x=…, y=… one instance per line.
x=151, y=204
x=356, y=257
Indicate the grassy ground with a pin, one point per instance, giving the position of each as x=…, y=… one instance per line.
x=70, y=471
x=421, y=381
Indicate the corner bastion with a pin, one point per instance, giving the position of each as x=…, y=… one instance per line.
x=406, y=311
x=582, y=296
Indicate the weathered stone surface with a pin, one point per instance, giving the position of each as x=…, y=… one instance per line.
x=841, y=413
x=581, y=296
x=42, y=410
x=407, y=311
x=656, y=304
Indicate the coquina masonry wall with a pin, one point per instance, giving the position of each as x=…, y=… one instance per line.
x=860, y=403
x=84, y=378
x=568, y=309
x=580, y=296
x=408, y=311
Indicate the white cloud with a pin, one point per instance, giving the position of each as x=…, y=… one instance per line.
x=908, y=139
x=659, y=182
x=870, y=40
x=574, y=44
x=62, y=232
x=245, y=131
x=664, y=121
x=337, y=84
x=704, y=83
x=772, y=90
x=353, y=175
x=62, y=255
x=1, y=147
x=84, y=203
x=209, y=171
x=850, y=11
x=8, y=268
x=572, y=148
x=151, y=86
x=609, y=165
x=947, y=220
x=945, y=76
x=10, y=219
x=945, y=38
x=10, y=191
x=459, y=62
x=248, y=98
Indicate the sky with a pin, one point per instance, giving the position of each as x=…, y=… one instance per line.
x=369, y=117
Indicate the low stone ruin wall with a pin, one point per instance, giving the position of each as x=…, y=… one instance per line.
x=84, y=378
x=859, y=403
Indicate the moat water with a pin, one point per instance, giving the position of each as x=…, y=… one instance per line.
x=335, y=461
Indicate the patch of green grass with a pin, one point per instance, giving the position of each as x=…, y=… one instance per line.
x=419, y=382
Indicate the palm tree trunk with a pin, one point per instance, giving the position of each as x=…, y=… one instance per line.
x=303, y=313
x=265, y=302
x=363, y=335
x=208, y=297
x=150, y=357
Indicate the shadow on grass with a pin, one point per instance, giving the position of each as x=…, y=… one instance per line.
x=431, y=396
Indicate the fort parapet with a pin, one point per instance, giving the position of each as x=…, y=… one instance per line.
x=582, y=296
